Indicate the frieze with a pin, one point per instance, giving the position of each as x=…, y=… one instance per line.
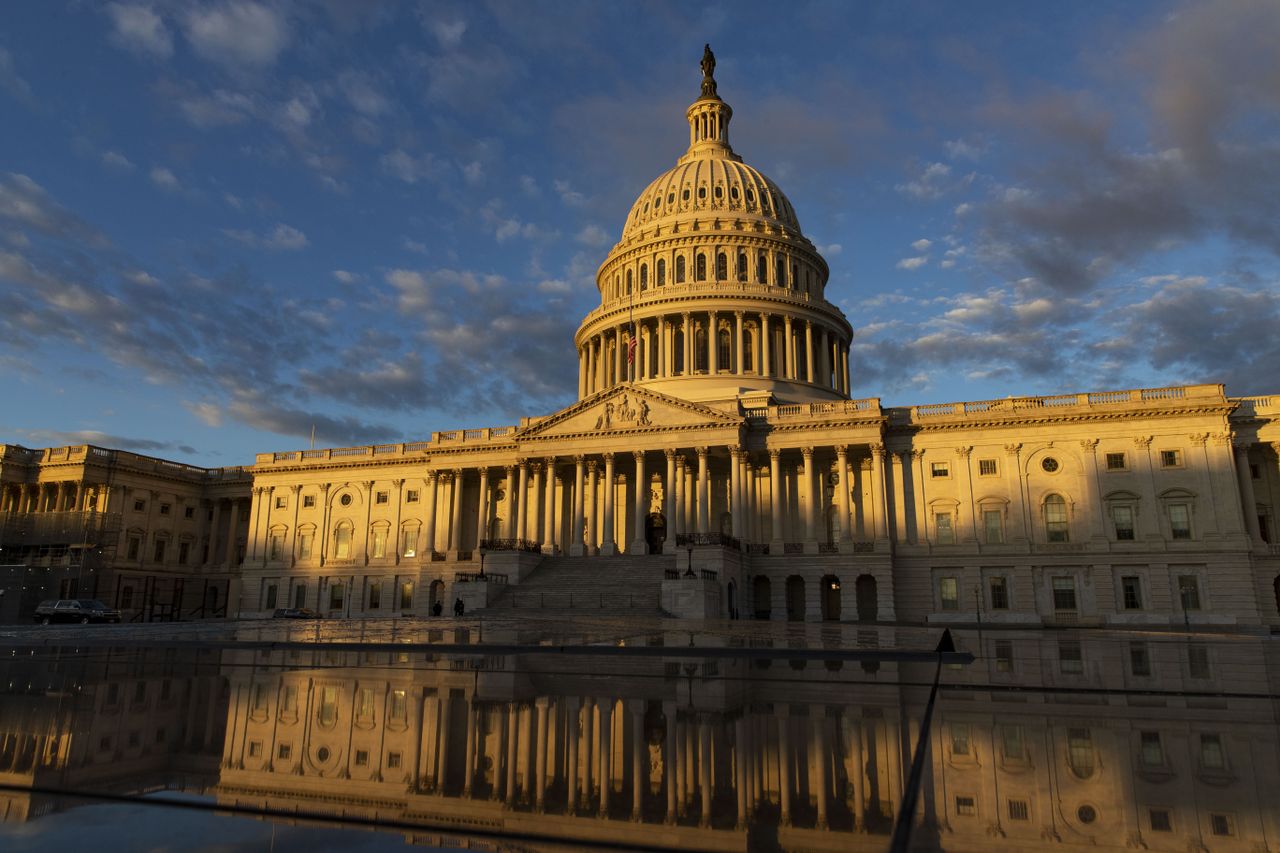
x=622, y=412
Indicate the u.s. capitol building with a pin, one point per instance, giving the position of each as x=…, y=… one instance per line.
x=714, y=464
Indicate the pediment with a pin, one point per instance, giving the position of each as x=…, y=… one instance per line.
x=628, y=409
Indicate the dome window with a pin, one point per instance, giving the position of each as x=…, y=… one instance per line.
x=702, y=193
x=671, y=198
x=700, y=267
x=644, y=276
x=780, y=273
x=661, y=272
x=646, y=207
x=684, y=196
x=719, y=192
x=742, y=266
x=680, y=269
x=762, y=269
x=751, y=197
x=628, y=282
x=722, y=267
x=733, y=193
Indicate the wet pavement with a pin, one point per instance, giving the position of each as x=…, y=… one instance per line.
x=544, y=734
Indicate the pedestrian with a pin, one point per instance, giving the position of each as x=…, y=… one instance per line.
x=458, y=607
x=437, y=608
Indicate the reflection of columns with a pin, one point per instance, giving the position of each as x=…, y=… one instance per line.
x=704, y=493
x=846, y=486
x=576, y=546
x=606, y=755
x=859, y=774
x=590, y=753
x=704, y=770
x=442, y=754
x=468, y=769
x=810, y=497
x=775, y=501
x=784, y=768
x=482, y=513
x=821, y=760
x=1247, y=498
x=541, y=756
x=740, y=768
x=549, y=537
x=521, y=497
x=639, y=766
x=641, y=505
x=607, y=544
x=735, y=491
x=690, y=762
x=571, y=756
x=591, y=522
x=669, y=760
x=669, y=503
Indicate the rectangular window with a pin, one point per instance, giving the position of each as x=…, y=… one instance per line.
x=342, y=543
x=1011, y=743
x=184, y=553
x=940, y=469
x=1122, y=518
x=966, y=806
x=304, y=546
x=275, y=546
x=1070, y=657
x=399, y=706
x=1198, y=661
x=1160, y=821
x=948, y=593
x=335, y=596
x=270, y=597
x=189, y=512
x=164, y=509
x=993, y=525
x=364, y=708
x=1055, y=519
x=1131, y=592
x=308, y=501
x=1189, y=592
x=300, y=595
x=1139, y=659
x=986, y=467
x=1004, y=655
x=393, y=760
x=959, y=739
x=1064, y=593
x=1211, y=755
x=289, y=699
x=1180, y=521
x=255, y=749
x=379, y=548
x=375, y=596
x=1152, y=750
x=135, y=546
x=410, y=543
x=411, y=496
x=139, y=506
x=281, y=502
x=999, y=593
x=1222, y=824
x=942, y=521
x=381, y=497
x=285, y=752
x=1170, y=458
x=328, y=713
x=406, y=595
x=1018, y=810
x=362, y=758
x=1115, y=462
x=159, y=551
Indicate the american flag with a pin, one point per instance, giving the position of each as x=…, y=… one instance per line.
x=631, y=350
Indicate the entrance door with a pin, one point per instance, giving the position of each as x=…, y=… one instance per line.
x=830, y=598
x=865, y=590
x=795, y=599
x=762, y=597
x=655, y=532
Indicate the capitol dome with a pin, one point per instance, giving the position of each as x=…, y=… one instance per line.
x=713, y=292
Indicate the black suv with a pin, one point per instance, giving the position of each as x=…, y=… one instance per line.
x=83, y=610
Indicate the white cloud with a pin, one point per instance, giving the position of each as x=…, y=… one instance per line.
x=208, y=413
x=569, y=195
x=593, y=235
x=933, y=181
x=449, y=33
x=282, y=237
x=409, y=168
x=959, y=149
x=116, y=160
x=216, y=109
x=412, y=288
x=139, y=29
x=346, y=277
x=10, y=80
x=237, y=33
x=963, y=208
x=165, y=179
x=415, y=246
x=473, y=172
x=529, y=186
x=922, y=244
x=912, y=263
x=362, y=95
x=830, y=250
x=947, y=264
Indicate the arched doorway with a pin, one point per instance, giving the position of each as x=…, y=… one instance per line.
x=733, y=600
x=762, y=597
x=435, y=593
x=865, y=590
x=795, y=599
x=655, y=532
x=830, y=598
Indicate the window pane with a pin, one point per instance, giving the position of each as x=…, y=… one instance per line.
x=1064, y=593
x=948, y=592
x=1131, y=590
x=1152, y=750
x=1055, y=518
x=992, y=523
x=1189, y=592
x=1180, y=521
x=1012, y=740
x=999, y=594
x=946, y=536
x=1139, y=660
x=1123, y=518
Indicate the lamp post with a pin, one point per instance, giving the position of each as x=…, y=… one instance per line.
x=688, y=572
x=481, y=576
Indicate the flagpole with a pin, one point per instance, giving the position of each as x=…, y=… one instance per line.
x=631, y=347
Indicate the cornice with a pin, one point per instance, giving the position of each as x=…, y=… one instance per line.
x=1059, y=417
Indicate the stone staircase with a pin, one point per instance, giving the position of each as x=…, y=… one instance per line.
x=603, y=586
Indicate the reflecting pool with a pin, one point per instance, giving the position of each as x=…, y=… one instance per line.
x=541, y=735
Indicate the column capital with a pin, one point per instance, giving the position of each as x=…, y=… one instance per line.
x=842, y=451
x=1223, y=438
x=735, y=450
x=877, y=451
x=670, y=453
x=1013, y=449
x=396, y=483
x=535, y=467
x=592, y=465
x=1199, y=439
x=915, y=454
x=738, y=314
x=608, y=457
x=324, y=487
x=1142, y=440
x=807, y=453
x=1089, y=444
x=701, y=451
x=638, y=454
x=579, y=458
x=549, y=461
x=774, y=454
x=457, y=473
x=510, y=469
x=964, y=450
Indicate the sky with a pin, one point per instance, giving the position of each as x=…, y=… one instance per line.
x=226, y=223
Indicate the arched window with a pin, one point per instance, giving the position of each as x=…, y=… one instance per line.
x=342, y=541
x=628, y=281
x=749, y=351
x=662, y=272
x=742, y=266
x=680, y=269
x=617, y=285
x=762, y=269
x=722, y=267
x=781, y=273
x=700, y=267
x=1055, y=518
x=700, y=351
x=795, y=275
x=644, y=276
x=677, y=344
x=724, y=356
x=1080, y=756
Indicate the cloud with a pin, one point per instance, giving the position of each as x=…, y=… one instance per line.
x=102, y=439
x=473, y=172
x=237, y=33
x=363, y=96
x=912, y=263
x=346, y=277
x=217, y=109
x=922, y=244
x=256, y=410
x=136, y=28
x=164, y=179
x=284, y=237
x=116, y=160
x=959, y=149
x=409, y=168
x=593, y=235
x=25, y=203
x=931, y=181
x=568, y=194
x=529, y=186
x=830, y=250
x=11, y=81
x=449, y=33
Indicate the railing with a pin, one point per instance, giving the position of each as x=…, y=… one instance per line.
x=684, y=540
x=758, y=548
x=526, y=545
x=1089, y=399
x=864, y=547
x=793, y=547
x=671, y=574
x=828, y=548
x=437, y=557
x=708, y=574
x=571, y=600
x=476, y=577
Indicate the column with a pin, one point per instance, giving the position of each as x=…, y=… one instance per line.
x=766, y=347
x=620, y=360
x=845, y=485
x=638, y=544
x=669, y=760
x=509, y=527
x=639, y=762
x=859, y=776
x=534, y=533
x=607, y=544
x=549, y=536
x=576, y=546
x=687, y=325
x=775, y=502
x=233, y=528
x=582, y=373
x=1148, y=518
x=677, y=524
x=824, y=359
x=469, y=764
x=664, y=357
x=704, y=493
x=482, y=512
x=899, y=498
x=808, y=352
x=740, y=769
x=571, y=754
x=669, y=503
x=455, y=523
x=735, y=491
x=713, y=350
x=1247, y=498
x=442, y=753
x=749, y=485
x=691, y=495
x=606, y=755
x=879, y=503
x=704, y=770
x=591, y=523
x=918, y=496
x=540, y=755
x=521, y=497
x=789, y=349
x=784, y=768
x=590, y=755
x=818, y=755
x=1013, y=469
x=1097, y=507
x=810, y=496
x=844, y=367
x=967, y=531
x=737, y=342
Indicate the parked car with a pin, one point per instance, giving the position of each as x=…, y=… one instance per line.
x=295, y=613
x=83, y=610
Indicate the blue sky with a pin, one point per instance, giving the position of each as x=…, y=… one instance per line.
x=225, y=221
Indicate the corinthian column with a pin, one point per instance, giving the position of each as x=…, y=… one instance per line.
x=735, y=491
x=846, y=512
x=775, y=502
x=638, y=544
x=607, y=544
x=549, y=538
x=429, y=515
x=810, y=499
x=576, y=547
x=482, y=511
x=669, y=503
x=591, y=522
x=704, y=493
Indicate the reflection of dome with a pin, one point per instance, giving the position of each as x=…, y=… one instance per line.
x=715, y=283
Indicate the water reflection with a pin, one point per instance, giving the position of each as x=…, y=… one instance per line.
x=1078, y=739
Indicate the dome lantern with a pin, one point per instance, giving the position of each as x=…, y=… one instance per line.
x=709, y=118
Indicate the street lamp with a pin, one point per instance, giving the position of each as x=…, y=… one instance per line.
x=688, y=572
x=481, y=576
